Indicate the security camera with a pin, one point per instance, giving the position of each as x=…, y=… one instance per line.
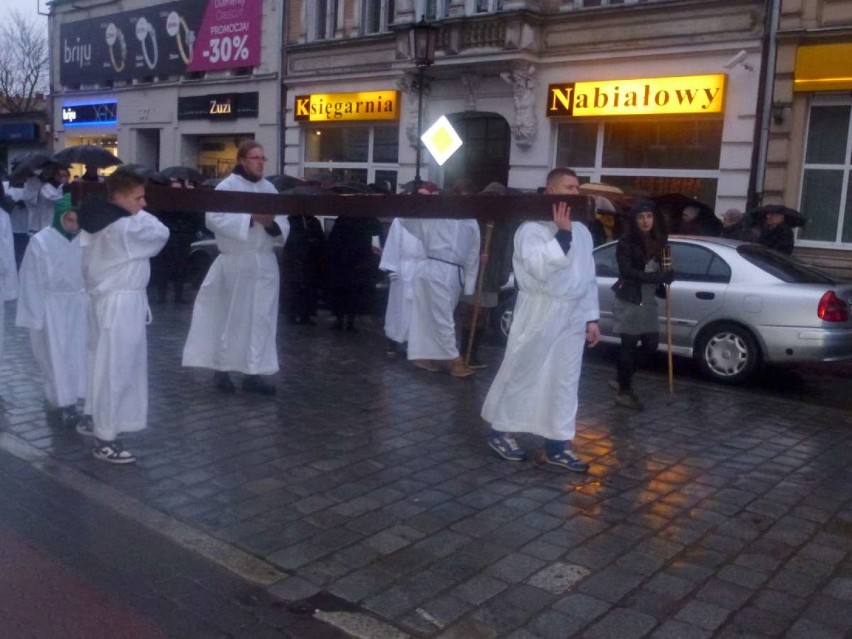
x=739, y=58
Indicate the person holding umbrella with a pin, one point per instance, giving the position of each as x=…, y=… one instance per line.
x=776, y=233
x=41, y=192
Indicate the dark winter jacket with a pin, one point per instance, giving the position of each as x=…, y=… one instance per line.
x=778, y=237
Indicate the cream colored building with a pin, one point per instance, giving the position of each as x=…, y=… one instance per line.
x=809, y=159
x=122, y=78
x=498, y=68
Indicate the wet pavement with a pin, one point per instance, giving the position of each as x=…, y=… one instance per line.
x=364, y=491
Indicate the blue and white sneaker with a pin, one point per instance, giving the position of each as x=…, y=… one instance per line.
x=85, y=426
x=505, y=445
x=567, y=460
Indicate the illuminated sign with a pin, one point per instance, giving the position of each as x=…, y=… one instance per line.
x=823, y=67
x=347, y=107
x=92, y=114
x=218, y=106
x=644, y=96
x=441, y=140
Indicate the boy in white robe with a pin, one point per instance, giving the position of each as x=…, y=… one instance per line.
x=41, y=192
x=8, y=270
x=53, y=304
x=119, y=239
x=399, y=258
x=535, y=390
x=235, y=318
x=451, y=266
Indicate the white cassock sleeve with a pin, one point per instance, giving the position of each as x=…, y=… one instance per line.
x=283, y=224
x=31, y=308
x=391, y=253
x=233, y=226
x=144, y=236
x=471, y=262
x=540, y=255
x=8, y=268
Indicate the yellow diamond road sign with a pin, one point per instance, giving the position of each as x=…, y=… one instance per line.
x=441, y=140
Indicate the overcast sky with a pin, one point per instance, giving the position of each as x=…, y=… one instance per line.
x=28, y=8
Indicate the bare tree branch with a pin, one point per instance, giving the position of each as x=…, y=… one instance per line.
x=23, y=63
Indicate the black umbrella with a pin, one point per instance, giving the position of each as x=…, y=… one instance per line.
x=349, y=188
x=675, y=203
x=757, y=215
x=24, y=167
x=285, y=182
x=88, y=154
x=185, y=173
x=147, y=173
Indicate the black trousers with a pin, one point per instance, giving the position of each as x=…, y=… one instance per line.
x=630, y=351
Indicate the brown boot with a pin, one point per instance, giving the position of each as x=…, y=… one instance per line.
x=459, y=369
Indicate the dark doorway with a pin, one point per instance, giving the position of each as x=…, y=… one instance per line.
x=484, y=154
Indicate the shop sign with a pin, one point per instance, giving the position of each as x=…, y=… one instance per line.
x=347, y=107
x=166, y=39
x=646, y=96
x=91, y=114
x=218, y=106
x=823, y=67
x=18, y=132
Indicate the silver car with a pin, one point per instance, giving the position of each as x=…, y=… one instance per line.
x=735, y=305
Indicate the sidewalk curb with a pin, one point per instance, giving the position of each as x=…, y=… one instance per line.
x=236, y=561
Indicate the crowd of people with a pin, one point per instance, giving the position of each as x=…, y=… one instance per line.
x=85, y=275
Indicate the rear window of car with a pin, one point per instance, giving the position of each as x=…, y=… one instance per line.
x=785, y=268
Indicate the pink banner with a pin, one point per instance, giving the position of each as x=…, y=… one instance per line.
x=229, y=36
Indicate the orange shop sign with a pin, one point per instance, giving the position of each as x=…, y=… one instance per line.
x=347, y=107
x=643, y=96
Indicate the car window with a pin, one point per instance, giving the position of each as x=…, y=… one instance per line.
x=697, y=264
x=605, y=262
x=785, y=268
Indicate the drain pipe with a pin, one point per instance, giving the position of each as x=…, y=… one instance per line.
x=765, y=96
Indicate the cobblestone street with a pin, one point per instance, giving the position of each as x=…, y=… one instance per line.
x=365, y=487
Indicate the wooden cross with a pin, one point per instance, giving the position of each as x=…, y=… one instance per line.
x=482, y=206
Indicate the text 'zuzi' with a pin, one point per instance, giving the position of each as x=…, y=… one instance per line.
x=645, y=96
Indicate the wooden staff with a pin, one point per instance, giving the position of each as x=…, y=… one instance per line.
x=486, y=247
x=667, y=266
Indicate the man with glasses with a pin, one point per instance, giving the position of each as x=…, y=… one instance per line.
x=235, y=319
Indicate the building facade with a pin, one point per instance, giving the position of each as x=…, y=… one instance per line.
x=22, y=133
x=174, y=83
x=809, y=158
x=654, y=96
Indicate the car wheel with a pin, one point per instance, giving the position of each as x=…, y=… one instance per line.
x=728, y=353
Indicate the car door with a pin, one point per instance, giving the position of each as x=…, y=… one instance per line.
x=606, y=270
x=698, y=292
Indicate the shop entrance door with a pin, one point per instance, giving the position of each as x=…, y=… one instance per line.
x=484, y=154
x=148, y=148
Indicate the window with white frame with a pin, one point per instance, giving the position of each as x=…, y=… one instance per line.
x=322, y=19
x=653, y=157
x=826, y=194
x=376, y=15
x=351, y=153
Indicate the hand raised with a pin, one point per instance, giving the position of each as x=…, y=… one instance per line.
x=562, y=216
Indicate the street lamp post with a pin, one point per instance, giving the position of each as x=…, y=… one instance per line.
x=422, y=38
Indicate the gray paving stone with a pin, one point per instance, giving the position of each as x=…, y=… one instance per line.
x=610, y=584
x=582, y=606
x=623, y=623
x=515, y=568
x=703, y=615
x=724, y=594
x=670, y=586
x=679, y=630
x=558, y=577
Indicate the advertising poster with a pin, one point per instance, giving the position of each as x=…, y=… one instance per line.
x=166, y=39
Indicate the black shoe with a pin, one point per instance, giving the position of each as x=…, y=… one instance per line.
x=306, y=321
x=338, y=325
x=223, y=382
x=255, y=384
x=629, y=400
x=70, y=416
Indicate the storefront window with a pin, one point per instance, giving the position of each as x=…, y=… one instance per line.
x=363, y=154
x=649, y=158
x=826, y=198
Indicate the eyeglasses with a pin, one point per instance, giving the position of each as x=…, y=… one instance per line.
x=256, y=157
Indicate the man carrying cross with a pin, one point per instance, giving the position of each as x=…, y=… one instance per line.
x=535, y=390
x=235, y=319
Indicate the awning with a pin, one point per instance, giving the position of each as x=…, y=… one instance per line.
x=823, y=67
